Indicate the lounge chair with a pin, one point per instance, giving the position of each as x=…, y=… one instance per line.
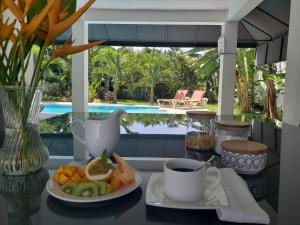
x=197, y=97
x=180, y=95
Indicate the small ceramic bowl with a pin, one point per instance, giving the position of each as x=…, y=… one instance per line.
x=245, y=157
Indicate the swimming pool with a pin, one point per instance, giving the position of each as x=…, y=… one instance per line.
x=54, y=108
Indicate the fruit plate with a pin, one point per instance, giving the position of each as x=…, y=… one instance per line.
x=54, y=190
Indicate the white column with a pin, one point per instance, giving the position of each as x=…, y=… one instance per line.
x=227, y=69
x=289, y=163
x=291, y=106
x=80, y=84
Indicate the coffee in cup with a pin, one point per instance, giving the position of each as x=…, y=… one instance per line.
x=184, y=181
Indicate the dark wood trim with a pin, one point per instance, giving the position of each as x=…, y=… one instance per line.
x=196, y=35
x=266, y=55
x=256, y=27
x=273, y=17
x=107, y=35
x=279, y=36
x=281, y=48
x=137, y=34
x=243, y=44
x=247, y=30
x=167, y=36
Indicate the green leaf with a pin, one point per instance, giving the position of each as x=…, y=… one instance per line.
x=37, y=8
x=104, y=161
x=104, y=157
x=110, y=166
x=70, y=4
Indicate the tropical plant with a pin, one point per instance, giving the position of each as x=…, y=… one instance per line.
x=183, y=71
x=36, y=23
x=155, y=69
x=111, y=62
x=130, y=72
x=57, y=80
x=245, y=71
x=207, y=67
x=272, y=79
x=23, y=24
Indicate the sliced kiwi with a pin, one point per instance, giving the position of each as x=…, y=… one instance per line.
x=108, y=188
x=103, y=188
x=69, y=188
x=86, y=190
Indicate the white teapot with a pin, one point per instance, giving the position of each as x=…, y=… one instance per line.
x=101, y=132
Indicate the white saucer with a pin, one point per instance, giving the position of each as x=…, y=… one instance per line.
x=155, y=197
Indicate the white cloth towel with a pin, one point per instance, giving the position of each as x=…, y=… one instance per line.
x=242, y=206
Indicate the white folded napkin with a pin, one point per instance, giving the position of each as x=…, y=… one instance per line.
x=215, y=194
x=242, y=206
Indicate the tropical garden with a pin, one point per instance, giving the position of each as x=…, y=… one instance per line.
x=142, y=75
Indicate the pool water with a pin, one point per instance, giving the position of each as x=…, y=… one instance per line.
x=53, y=108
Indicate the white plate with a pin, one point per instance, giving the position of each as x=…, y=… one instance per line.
x=53, y=189
x=155, y=196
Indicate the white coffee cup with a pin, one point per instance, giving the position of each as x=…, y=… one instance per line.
x=190, y=186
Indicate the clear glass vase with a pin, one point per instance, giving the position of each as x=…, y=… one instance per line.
x=22, y=151
x=22, y=198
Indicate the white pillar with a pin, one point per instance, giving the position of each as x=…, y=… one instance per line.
x=291, y=109
x=80, y=68
x=227, y=69
x=289, y=201
x=80, y=84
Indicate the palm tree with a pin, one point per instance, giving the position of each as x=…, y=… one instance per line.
x=207, y=68
x=155, y=70
x=56, y=78
x=184, y=74
x=245, y=71
x=272, y=79
x=111, y=62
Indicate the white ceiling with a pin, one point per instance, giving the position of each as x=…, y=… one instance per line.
x=169, y=11
x=161, y=4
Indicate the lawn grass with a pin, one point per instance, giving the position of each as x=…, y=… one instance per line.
x=134, y=102
x=211, y=106
x=237, y=112
x=54, y=99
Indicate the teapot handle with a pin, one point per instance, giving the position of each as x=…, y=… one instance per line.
x=82, y=141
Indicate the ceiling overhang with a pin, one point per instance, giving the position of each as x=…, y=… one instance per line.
x=190, y=23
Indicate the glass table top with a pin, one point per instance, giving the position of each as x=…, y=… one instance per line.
x=24, y=200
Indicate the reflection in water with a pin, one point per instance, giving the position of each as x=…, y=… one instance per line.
x=112, y=208
x=132, y=122
x=61, y=123
x=22, y=196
